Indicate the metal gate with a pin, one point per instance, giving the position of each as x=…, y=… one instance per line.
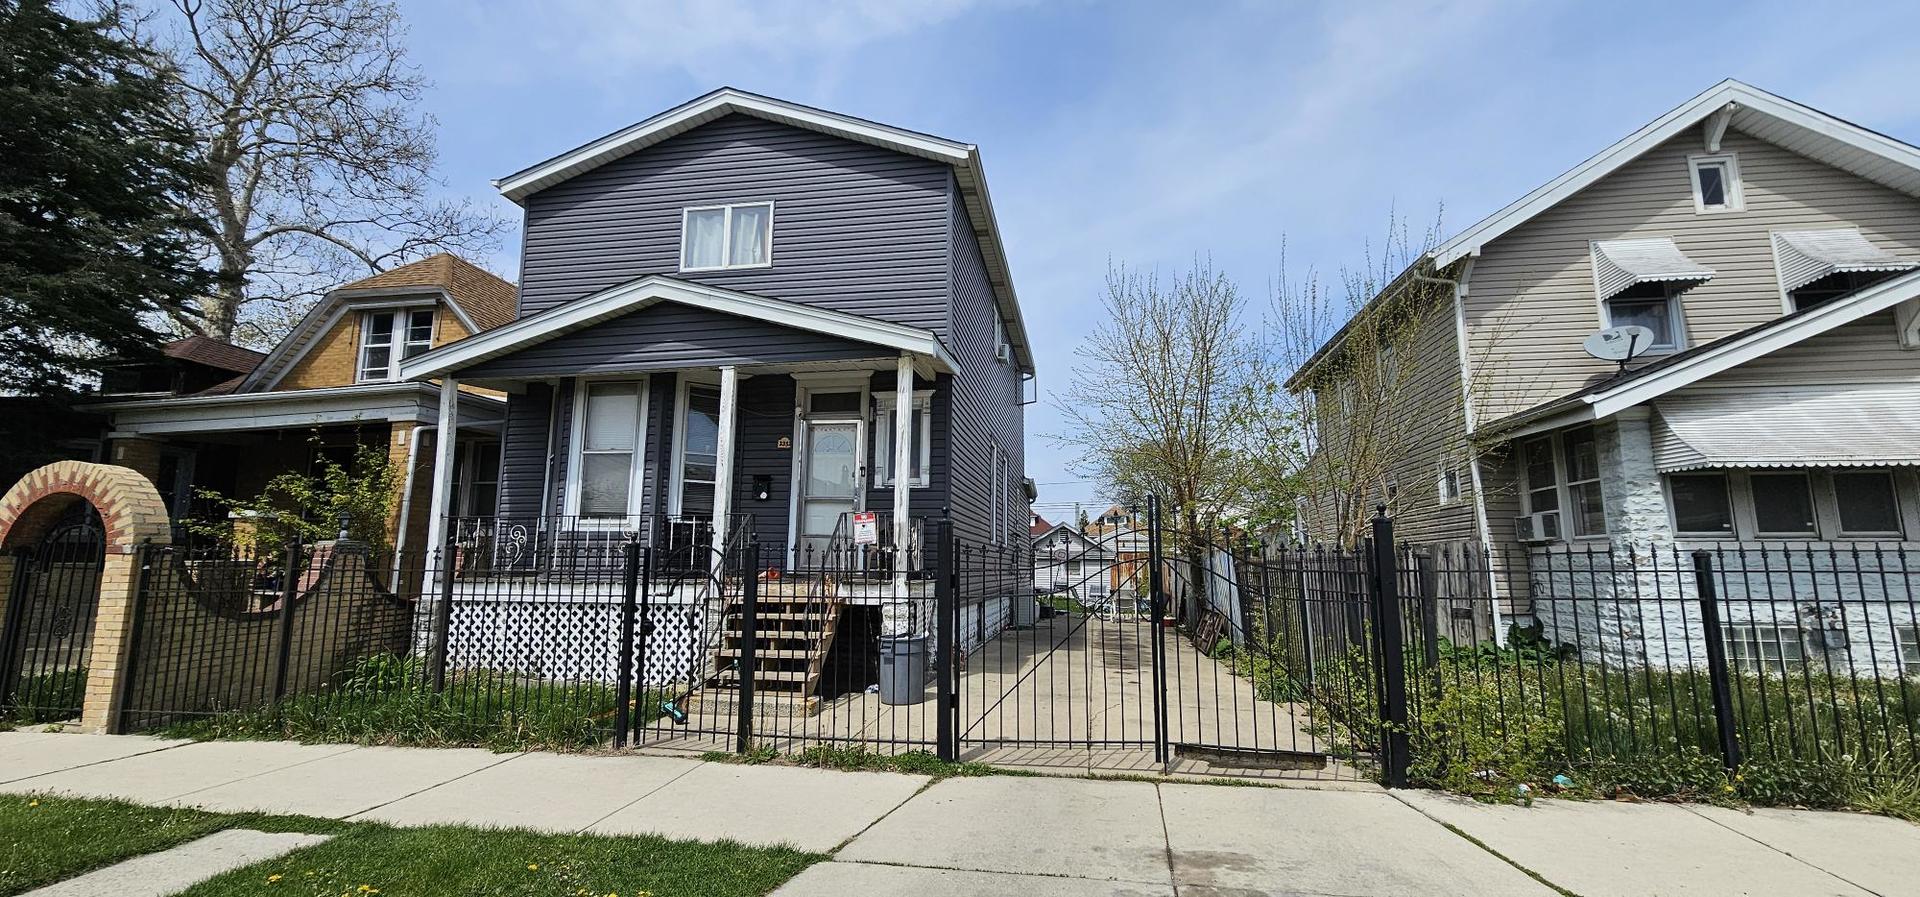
x=47, y=642
x=1189, y=648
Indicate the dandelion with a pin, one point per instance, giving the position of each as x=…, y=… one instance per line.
x=33, y=803
x=273, y=878
x=533, y=867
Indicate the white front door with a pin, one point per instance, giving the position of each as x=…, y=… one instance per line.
x=829, y=483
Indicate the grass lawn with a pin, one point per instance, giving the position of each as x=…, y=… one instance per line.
x=43, y=840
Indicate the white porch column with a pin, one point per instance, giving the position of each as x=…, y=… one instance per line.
x=442, y=502
x=723, y=460
x=902, y=467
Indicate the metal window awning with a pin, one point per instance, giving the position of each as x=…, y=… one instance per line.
x=1801, y=426
x=1809, y=255
x=1620, y=264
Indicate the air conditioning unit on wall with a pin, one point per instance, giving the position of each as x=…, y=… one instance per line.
x=1540, y=527
x=1003, y=353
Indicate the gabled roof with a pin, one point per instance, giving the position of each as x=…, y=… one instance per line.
x=213, y=353
x=1672, y=372
x=963, y=157
x=1748, y=109
x=478, y=298
x=486, y=298
x=656, y=288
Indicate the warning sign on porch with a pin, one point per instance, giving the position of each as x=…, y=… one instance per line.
x=865, y=532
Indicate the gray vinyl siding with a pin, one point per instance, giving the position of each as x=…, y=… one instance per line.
x=986, y=409
x=856, y=228
x=766, y=417
x=670, y=336
x=1531, y=300
x=523, y=451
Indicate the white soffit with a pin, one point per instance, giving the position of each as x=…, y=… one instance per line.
x=1809, y=255
x=1755, y=112
x=1795, y=426
x=1621, y=264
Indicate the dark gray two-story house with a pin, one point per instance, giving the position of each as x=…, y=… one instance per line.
x=747, y=313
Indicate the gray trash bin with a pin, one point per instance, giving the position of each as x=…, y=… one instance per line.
x=903, y=669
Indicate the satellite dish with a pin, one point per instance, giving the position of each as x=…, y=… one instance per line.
x=1619, y=344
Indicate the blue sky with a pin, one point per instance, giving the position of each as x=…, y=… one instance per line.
x=1152, y=133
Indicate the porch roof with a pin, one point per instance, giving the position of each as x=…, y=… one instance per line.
x=1801, y=426
x=656, y=289
x=297, y=408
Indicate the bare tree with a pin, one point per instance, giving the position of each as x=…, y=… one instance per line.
x=1155, y=406
x=322, y=165
x=1350, y=350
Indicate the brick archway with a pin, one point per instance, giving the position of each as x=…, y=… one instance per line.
x=132, y=513
x=129, y=506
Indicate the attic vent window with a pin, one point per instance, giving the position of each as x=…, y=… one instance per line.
x=715, y=238
x=1716, y=183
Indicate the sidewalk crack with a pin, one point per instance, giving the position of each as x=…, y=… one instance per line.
x=1788, y=854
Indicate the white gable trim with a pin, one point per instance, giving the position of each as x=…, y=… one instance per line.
x=1733, y=97
x=653, y=289
x=964, y=157
x=1731, y=353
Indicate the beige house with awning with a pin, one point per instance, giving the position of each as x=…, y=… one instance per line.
x=1772, y=251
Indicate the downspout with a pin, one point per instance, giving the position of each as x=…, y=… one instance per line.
x=406, y=500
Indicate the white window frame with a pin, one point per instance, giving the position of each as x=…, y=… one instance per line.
x=1676, y=317
x=1446, y=484
x=726, y=236
x=1736, y=197
x=1570, y=517
x=883, y=428
x=681, y=405
x=1746, y=647
x=638, y=472
x=1527, y=488
x=397, y=335
x=1002, y=350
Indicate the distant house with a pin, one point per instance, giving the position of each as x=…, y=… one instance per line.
x=1067, y=561
x=1771, y=254
x=214, y=416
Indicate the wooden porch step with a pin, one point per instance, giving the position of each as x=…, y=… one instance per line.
x=771, y=653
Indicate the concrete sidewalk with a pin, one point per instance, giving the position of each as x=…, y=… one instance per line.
x=892, y=834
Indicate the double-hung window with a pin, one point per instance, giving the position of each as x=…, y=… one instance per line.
x=699, y=449
x=720, y=237
x=1543, y=482
x=1909, y=638
x=1583, y=483
x=390, y=337
x=608, y=416
x=921, y=426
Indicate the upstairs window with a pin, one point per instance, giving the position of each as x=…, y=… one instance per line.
x=1833, y=286
x=1716, y=183
x=1654, y=305
x=720, y=237
x=390, y=337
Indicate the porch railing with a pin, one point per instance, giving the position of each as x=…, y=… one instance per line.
x=850, y=553
x=576, y=546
